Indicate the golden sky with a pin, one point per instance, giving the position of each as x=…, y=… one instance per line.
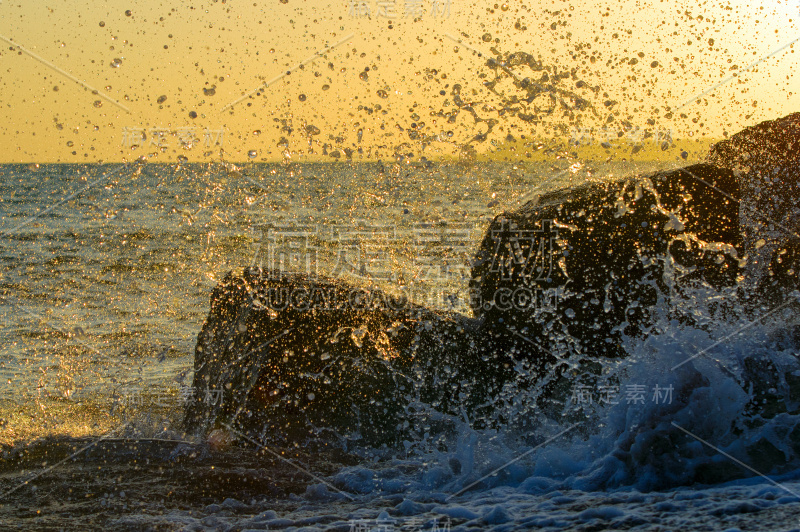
x=83, y=83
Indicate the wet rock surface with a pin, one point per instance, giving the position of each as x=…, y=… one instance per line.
x=143, y=481
x=589, y=264
x=769, y=145
x=286, y=357
x=766, y=159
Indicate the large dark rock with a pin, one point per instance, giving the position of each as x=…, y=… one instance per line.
x=576, y=270
x=292, y=358
x=598, y=257
x=600, y=253
x=573, y=273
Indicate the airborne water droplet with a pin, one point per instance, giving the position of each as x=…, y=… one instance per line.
x=252, y=154
x=357, y=336
x=364, y=76
x=383, y=94
x=116, y=63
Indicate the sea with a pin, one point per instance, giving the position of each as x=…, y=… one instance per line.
x=106, y=272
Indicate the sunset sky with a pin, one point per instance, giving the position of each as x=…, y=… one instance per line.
x=80, y=83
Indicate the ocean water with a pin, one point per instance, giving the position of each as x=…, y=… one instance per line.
x=105, y=278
